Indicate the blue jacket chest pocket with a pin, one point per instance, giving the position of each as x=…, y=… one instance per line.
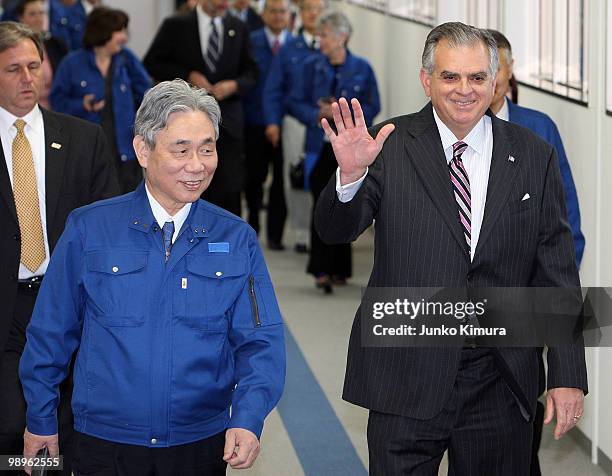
x=210, y=287
x=112, y=280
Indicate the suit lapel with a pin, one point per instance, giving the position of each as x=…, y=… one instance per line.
x=432, y=169
x=56, y=148
x=6, y=191
x=501, y=178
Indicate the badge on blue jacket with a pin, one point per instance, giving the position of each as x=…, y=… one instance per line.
x=222, y=247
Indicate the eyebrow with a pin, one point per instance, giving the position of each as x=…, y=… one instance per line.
x=454, y=73
x=208, y=140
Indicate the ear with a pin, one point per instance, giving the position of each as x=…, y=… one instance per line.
x=512, y=67
x=142, y=151
x=426, y=82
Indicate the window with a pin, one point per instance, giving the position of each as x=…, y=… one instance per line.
x=549, y=41
x=484, y=13
x=422, y=11
x=374, y=4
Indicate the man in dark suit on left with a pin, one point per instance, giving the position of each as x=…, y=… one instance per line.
x=211, y=50
x=50, y=165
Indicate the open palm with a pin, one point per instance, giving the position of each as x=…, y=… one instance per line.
x=354, y=147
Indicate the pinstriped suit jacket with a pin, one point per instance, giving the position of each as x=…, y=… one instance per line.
x=419, y=243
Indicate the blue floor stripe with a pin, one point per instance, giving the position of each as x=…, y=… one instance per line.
x=320, y=441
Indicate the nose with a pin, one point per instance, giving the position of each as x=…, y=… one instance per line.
x=26, y=75
x=464, y=87
x=195, y=164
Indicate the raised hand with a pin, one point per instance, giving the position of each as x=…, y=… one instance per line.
x=353, y=146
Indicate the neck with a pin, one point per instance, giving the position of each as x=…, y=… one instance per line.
x=497, y=105
x=102, y=53
x=310, y=31
x=338, y=56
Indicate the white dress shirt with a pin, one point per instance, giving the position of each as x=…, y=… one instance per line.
x=504, y=112
x=477, y=162
x=162, y=216
x=204, y=29
x=35, y=133
x=282, y=37
x=308, y=39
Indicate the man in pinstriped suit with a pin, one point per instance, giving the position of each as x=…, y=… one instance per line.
x=460, y=199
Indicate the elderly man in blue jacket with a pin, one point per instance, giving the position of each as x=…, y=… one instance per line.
x=169, y=302
x=260, y=151
x=542, y=125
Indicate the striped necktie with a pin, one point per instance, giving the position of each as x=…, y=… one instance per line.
x=461, y=187
x=168, y=231
x=212, y=50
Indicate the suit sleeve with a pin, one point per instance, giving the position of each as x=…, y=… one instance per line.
x=338, y=222
x=159, y=60
x=53, y=334
x=555, y=266
x=257, y=338
x=103, y=177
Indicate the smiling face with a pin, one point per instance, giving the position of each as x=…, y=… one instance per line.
x=182, y=164
x=460, y=87
x=20, y=78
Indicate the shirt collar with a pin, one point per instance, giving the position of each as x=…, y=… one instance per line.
x=205, y=18
x=307, y=38
x=475, y=139
x=162, y=216
x=88, y=7
x=33, y=118
x=271, y=36
x=504, y=112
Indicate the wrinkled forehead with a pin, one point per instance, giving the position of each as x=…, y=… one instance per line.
x=461, y=59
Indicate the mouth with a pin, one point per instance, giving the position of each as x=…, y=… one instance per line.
x=464, y=103
x=192, y=185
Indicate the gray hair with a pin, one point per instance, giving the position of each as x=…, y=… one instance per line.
x=338, y=22
x=167, y=98
x=459, y=34
x=12, y=33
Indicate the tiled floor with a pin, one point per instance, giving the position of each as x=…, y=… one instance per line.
x=295, y=441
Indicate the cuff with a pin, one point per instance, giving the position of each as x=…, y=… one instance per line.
x=348, y=191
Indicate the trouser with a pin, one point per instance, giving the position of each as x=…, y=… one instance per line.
x=12, y=402
x=299, y=202
x=259, y=155
x=97, y=457
x=481, y=426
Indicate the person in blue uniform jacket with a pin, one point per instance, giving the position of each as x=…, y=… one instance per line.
x=260, y=151
x=169, y=302
x=542, y=125
x=59, y=19
x=104, y=82
x=284, y=73
x=325, y=78
x=77, y=19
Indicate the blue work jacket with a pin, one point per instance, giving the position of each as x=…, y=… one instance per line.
x=543, y=126
x=77, y=17
x=59, y=20
x=164, y=348
x=355, y=79
x=284, y=73
x=78, y=75
x=253, y=101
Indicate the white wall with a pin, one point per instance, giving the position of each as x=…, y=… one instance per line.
x=394, y=47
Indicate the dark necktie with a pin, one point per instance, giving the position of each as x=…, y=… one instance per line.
x=167, y=232
x=212, y=51
x=461, y=187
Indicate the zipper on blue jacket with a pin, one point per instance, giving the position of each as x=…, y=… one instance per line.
x=254, y=306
